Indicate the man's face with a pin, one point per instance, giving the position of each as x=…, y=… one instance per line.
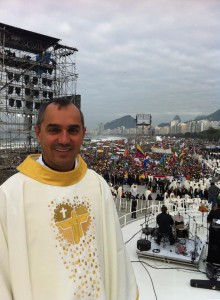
x=61, y=136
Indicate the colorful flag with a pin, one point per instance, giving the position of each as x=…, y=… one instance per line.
x=175, y=154
x=146, y=160
x=119, y=142
x=139, y=151
x=181, y=154
x=126, y=152
x=162, y=160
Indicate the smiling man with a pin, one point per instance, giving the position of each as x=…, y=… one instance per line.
x=59, y=232
x=60, y=131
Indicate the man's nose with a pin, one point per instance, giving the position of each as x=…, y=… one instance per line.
x=64, y=137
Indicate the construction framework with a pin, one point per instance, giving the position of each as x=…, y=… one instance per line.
x=143, y=126
x=33, y=68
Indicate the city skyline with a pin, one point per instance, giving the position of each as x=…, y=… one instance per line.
x=173, y=127
x=166, y=122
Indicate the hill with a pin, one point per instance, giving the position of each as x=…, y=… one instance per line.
x=126, y=121
x=214, y=116
x=164, y=124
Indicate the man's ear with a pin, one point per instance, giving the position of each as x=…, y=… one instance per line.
x=84, y=132
x=37, y=132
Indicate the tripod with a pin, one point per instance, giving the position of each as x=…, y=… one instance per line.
x=195, y=253
x=147, y=230
x=144, y=244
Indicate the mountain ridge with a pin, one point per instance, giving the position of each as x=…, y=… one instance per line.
x=129, y=122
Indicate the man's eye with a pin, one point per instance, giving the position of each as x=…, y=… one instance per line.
x=73, y=130
x=53, y=130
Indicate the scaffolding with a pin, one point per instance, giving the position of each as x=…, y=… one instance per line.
x=33, y=68
x=143, y=126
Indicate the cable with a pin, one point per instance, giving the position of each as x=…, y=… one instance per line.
x=142, y=263
x=133, y=236
x=168, y=268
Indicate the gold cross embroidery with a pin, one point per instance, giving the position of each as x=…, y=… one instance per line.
x=75, y=224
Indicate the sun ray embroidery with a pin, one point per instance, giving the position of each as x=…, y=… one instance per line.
x=76, y=243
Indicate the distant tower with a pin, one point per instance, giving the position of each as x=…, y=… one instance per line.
x=143, y=124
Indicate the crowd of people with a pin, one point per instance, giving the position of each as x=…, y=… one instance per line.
x=185, y=170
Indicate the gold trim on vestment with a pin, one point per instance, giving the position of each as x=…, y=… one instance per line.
x=31, y=168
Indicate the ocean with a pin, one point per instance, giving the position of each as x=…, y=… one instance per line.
x=22, y=143
x=102, y=138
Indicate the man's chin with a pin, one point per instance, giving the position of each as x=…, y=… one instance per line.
x=64, y=166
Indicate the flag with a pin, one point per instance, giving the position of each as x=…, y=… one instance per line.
x=146, y=160
x=139, y=151
x=175, y=154
x=162, y=160
x=115, y=157
x=126, y=152
x=119, y=142
x=142, y=177
x=181, y=154
x=181, y=162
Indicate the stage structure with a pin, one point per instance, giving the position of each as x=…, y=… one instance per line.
x=33, y=68
x=143, y=124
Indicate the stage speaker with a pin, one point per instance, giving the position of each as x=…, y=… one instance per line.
x=214, y=244
x=143, y=245
x=211, y=271
x=205, y=284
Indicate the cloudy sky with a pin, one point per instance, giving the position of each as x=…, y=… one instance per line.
x=158, y=57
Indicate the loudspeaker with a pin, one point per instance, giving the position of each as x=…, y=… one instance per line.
x=143, y=245
x=205, y=284
x=214, y=245
x=211, y=271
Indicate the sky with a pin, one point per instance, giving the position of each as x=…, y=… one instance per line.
x=158, y=57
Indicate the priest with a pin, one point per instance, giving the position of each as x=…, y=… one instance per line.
x=59, y=232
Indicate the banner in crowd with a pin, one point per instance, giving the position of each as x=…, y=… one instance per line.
x=161, y=150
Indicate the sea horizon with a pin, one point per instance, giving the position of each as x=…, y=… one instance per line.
x=100, y=137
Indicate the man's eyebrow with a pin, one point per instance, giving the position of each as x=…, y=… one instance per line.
x=54, y=125
x=74, y=126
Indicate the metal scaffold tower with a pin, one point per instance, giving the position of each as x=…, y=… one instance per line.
x=33, y=68
x=143, y=125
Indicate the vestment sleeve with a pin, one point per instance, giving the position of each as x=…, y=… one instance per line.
x=5, y=285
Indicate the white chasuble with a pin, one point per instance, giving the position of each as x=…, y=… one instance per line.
x=60, y=237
